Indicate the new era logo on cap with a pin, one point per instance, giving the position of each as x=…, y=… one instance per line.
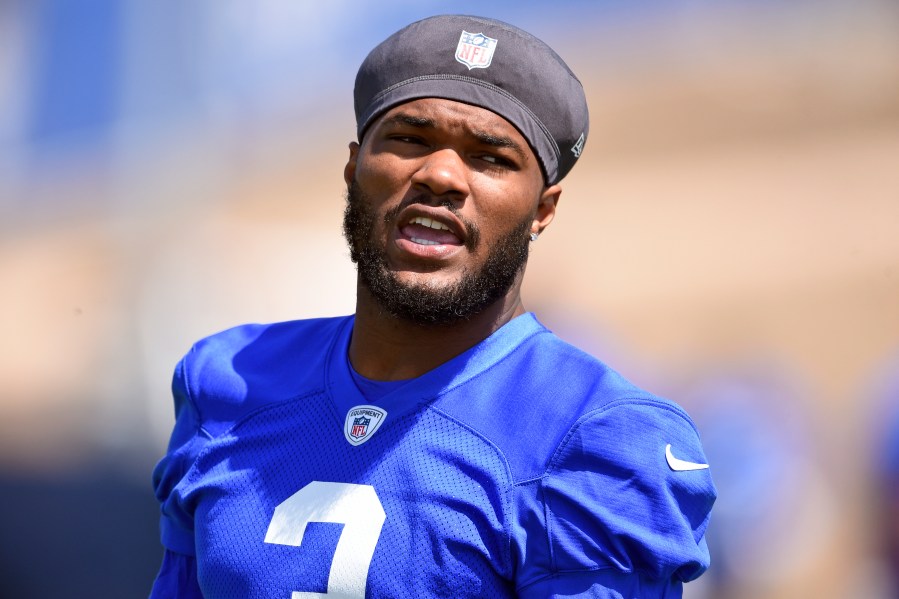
x=475, y=50
x=578, y=146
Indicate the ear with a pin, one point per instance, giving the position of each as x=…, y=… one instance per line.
x=349, y=171
x=546, y=208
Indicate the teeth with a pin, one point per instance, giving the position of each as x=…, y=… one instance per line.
x=423, y=241
x=427, y=222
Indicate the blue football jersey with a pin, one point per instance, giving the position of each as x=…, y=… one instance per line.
x=520, y=468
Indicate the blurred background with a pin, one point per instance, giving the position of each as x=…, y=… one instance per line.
x=730, y=239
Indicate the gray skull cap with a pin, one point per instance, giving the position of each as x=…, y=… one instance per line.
x=486, y=63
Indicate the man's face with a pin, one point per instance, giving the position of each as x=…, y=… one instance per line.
x=442, y=199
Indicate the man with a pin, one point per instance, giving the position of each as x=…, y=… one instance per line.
x=440, y=442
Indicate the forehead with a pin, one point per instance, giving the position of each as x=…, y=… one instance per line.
x=452, y=117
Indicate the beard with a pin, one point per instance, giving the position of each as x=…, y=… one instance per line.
x=429, y=304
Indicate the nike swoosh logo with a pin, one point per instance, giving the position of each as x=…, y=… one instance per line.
x=681, y=465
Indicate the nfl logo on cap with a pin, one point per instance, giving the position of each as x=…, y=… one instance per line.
x=475, y=50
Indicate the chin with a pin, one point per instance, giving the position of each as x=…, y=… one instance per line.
x=426, y=280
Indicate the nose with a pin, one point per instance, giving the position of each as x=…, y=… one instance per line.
x=443, y=173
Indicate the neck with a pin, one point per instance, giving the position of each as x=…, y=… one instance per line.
x=385, y=347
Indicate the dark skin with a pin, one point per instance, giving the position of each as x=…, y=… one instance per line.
x=419, y=156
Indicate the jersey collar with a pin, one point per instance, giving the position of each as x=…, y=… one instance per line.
x=429, y=386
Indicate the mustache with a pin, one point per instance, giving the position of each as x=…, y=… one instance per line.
x=472, y=231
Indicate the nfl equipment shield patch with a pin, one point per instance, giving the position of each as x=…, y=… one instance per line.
x=361, y=423
x=475, y=50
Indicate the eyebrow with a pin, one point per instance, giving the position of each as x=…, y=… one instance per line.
x=401, y=118
x=499, y=141
x=488, y=139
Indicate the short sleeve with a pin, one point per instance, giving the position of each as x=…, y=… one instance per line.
x=177, y=578
x=626, y=502
x=186, y=442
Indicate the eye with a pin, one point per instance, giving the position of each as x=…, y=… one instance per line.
x=409, y=139
x=498, y=161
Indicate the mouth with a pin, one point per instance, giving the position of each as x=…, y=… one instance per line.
x=428, y=231
x=429, y=236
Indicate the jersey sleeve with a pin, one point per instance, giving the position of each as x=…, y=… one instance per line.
x=624, y=507
x=187, y=440
x=177, y=578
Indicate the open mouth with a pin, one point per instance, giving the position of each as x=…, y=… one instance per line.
x=423, y=230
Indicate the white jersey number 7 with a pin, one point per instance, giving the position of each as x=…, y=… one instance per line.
x=357, y=507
